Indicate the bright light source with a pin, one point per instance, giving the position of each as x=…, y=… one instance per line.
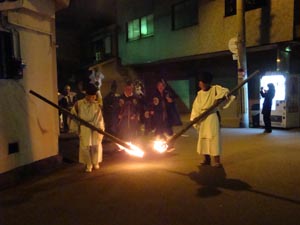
x=160, y=146
x=288, y=49
x=134, y=150
x=279, y=82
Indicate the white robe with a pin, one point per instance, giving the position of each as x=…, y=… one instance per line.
x=209, y=129
x=90, y=146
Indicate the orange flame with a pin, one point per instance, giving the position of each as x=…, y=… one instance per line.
x=160, y=146
x=134, y=150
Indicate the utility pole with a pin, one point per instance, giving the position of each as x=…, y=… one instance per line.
x=242, y=63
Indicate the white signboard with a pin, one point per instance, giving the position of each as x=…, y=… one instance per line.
x=232, y=45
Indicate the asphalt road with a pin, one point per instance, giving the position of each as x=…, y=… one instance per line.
x=257, y=185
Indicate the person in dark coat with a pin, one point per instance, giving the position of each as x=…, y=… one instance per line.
x=67, y=101
x=268, y=95
x=163, y=111
x=80, y=93
x=128, y=114
x=110, y=109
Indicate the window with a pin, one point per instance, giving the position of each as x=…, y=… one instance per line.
x=230, y=6
x=296, y=13
x=6, y=53
x=11, y=66
x=102, y=48
x=8, y=1
x=147, y=27
x=184, y=14
x=140, y=28
x=134, y=30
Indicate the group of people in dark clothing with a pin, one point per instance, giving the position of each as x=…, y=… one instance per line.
x=125, y=114
x=131, y=113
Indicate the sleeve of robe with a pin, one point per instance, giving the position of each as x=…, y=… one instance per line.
x=222, y=92
x=196, y=111
x=219, y=93
x=74, y=126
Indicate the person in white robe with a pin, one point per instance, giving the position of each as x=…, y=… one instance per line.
x=90, y=141
x=209, y=142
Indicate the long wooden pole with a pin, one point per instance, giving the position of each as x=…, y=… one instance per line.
x=210, y=109
x=81, y=121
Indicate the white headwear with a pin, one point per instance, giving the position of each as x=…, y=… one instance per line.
x=96, y=78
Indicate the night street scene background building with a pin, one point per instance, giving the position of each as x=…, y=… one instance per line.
x=46, y=45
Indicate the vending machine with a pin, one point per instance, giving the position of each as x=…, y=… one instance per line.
x=285, y=106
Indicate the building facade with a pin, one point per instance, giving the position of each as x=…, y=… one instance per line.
x=29, y=128
x=174, y=39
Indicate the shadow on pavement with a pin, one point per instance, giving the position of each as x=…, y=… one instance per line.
x=212, y=180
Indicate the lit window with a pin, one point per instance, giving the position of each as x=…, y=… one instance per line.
x=147, y=27
x=134, y=29
x=141, y=27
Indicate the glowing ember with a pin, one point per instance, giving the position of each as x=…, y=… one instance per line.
x=134, y=150
x=160, y=146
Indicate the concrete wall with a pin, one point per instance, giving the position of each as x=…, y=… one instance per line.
x=24, y=119
x=263, y=26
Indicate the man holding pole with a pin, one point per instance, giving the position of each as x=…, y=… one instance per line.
x=209, y=143
x=90, y=146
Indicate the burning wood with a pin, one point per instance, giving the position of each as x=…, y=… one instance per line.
x=133, y=150
x=129, y=148
x=160, y=146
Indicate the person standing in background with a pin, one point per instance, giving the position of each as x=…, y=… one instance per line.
x=67, y=101
x=161, y=110
x=96, y=78
x=268, y=95
x=80, y=90
x=128, y=114
x=110, y=109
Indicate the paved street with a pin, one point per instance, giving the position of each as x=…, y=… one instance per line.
x=258, y=185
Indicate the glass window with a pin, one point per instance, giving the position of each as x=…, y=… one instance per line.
x=107, y=45
x=134, y=29
x=6, y=53
x=297, y=13
x=184, y=14
x=147, y=26
x=230, y=6
x=102, y=48
x=141, y=27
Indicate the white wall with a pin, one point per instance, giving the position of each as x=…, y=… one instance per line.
x=24, y=118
